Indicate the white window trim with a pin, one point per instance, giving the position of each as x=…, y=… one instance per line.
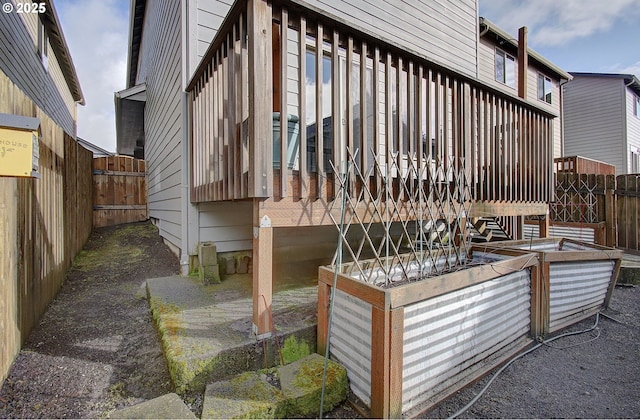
x=507, y=56
x=550, y=93
x=43, y=45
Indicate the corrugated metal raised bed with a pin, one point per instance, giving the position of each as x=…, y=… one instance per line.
x=577, y=278
x=409, y=346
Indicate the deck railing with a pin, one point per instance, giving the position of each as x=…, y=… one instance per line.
x=274, y=103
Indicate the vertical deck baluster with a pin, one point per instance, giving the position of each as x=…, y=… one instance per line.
x=362, y=142
x=284, y=117
x=237, y=121
x=375, y=92
x=320, y=169
x=337, y=142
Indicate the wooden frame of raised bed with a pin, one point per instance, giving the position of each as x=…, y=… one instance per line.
x=410, y=346
x=577, y=278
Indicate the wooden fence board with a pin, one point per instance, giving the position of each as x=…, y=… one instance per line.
x=48, y=225
x=120, y=190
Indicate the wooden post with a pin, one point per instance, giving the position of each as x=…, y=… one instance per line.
x=544, y=226
x=260, y=98
x=380, y=362
x=324, y=295
x=386, y=362
x=523, y=59
x=262, y=272
x=537, y=301
x=610, y=211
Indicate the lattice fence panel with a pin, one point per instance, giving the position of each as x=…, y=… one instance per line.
x=401, y=221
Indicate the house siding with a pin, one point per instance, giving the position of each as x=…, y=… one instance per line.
x=19, y=60
x=486, y=74
x=441, y=31
x=486, y=66
x=554, y=107
x=228, y=224
x=159, y=67
x=594, y=119
x=633, y=127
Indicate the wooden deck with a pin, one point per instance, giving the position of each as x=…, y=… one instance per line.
x=283, y=65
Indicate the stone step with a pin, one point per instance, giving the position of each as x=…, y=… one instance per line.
x=206, y=329
x=168, y=406
x=290, y=391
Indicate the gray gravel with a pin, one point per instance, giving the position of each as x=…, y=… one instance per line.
x=581, y=376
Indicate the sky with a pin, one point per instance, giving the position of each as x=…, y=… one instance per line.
x=599, y=36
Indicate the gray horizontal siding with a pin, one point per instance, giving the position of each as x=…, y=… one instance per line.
x=486, y=73
x=228, y=224
x=19, y=60
x=594, y=119
x=633, y=125
x=442, y=31
x=159, y=68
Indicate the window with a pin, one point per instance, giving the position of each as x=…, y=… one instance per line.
x=637, y=106
x=544, y=88
x=635, y=162
x=43, y=44
x=505, y=68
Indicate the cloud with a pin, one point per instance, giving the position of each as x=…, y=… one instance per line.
x=558, y=22
x=97, y=33
x=632, y=69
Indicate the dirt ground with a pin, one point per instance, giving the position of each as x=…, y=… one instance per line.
x=96, y=350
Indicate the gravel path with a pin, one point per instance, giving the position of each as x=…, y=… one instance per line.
x=96, y=350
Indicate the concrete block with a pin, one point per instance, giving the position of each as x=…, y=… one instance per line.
x=207, y=254
x=169, y=406
x=229, y=265
x=242, y=264
x=210, y=274
x=629, y=275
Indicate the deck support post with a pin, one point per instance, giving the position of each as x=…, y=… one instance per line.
x=544, y=224
x=262, y=274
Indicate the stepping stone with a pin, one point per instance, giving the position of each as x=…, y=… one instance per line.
x=257, y=394
x=301, y=382
x=169, y=406
x=248, y=395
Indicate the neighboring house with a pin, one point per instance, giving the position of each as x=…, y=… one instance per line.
x=96, y=150
x=46, y=218
x=602, y=119
x=499, y=65
x=208, y=83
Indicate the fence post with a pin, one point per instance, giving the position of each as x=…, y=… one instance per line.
x=543, y=225
x=610, y=211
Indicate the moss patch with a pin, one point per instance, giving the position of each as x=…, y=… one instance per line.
x=293, y=350
x=302, y=384
x=121, y=247
x=245, y=396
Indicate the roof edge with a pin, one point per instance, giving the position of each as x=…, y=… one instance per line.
x=136, y=21
x=495, y=29
x=631, y=80
x=62, y=52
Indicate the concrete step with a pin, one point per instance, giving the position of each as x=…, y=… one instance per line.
x=290, y=391
x=206, y=330
x=629, y=269
x=168, y=406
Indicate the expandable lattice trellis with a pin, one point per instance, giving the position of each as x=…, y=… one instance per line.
x=401, y=221
x=576, y=200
